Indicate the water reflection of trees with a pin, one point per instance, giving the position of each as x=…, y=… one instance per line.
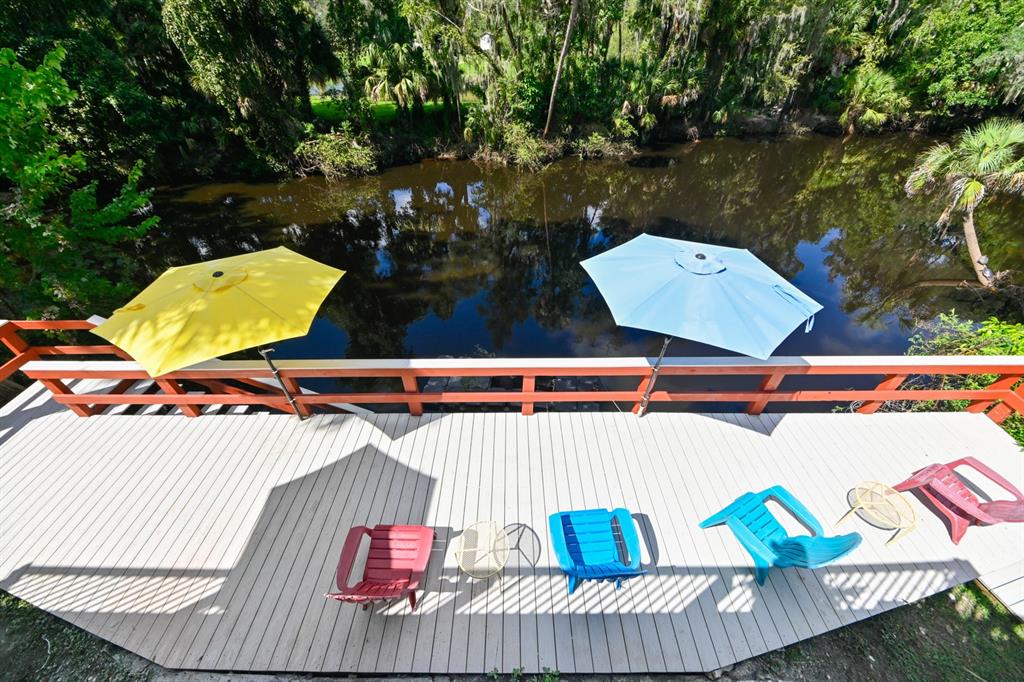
x=419, y=239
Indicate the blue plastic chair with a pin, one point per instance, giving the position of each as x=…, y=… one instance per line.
x=588, y=549
x=767, y=541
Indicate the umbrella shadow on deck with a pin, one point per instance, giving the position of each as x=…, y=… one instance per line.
x=170, y=586
x=232, y=575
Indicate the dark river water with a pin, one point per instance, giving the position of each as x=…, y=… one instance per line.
x=452, y=258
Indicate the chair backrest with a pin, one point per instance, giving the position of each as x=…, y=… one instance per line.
x=589, y=537
x=397, y=552
x=753, y=513
x=949, y=485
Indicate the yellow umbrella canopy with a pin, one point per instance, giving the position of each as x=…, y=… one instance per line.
x=198, y=312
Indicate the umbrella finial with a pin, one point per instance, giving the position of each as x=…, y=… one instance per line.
x=698, y=262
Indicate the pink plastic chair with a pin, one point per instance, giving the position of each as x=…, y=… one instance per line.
x=394, y=566
x=957, y=503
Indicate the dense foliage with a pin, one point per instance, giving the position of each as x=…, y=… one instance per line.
x=950, y=335
x=256, y=60
x=59, y=242
x=135, y=93
x=206, y=86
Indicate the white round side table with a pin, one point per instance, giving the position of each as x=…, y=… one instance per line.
x=482, y=550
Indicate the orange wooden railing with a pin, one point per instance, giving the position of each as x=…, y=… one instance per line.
x=246, y=382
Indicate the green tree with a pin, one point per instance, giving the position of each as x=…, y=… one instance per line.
x=948, y=58
x=64, y=252
x=257, y=60
x=985, y=160
x=135, y=93
x=570, y=24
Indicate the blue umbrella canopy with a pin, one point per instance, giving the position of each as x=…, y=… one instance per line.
x=717, y=295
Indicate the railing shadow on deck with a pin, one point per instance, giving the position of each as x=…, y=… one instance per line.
x=194, y=603
x=673, y=598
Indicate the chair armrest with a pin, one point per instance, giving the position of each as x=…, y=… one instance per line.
x=559, y=543
x=796, y=508
x=348, y=555
x=988, y=473
x=629, y=534
x=721, y=516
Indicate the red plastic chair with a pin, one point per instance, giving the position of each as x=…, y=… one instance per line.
x=394, y=566
x=957, y=503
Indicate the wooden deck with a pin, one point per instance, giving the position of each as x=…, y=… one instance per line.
x=208, y=544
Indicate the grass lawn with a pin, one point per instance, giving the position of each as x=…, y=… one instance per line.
x=957, y=635
x=383, y=112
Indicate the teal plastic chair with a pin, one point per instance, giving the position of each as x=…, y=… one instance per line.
x=767, y=541
x=589, y=546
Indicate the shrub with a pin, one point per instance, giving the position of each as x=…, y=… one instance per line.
x=526, y=149
x=949, y=335
x=597, y=146
x=336, y=154
x=873, y=98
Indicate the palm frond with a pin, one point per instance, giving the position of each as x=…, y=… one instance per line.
x=1015, y=183
x=944, y=218
x=931, y=163
x=920, y=180
x=971, y=194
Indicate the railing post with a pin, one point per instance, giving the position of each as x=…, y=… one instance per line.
x=173, y=387
x=410, y=385
x=59, y=388
x=891, y=382
x=1000, y=412
x=769, y=383
x=1003, y=383
x=529, y=386
x=10, y=338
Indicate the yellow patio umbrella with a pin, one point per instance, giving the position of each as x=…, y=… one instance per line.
x=198, y=312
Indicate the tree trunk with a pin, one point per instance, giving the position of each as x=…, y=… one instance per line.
x=561, y=62
x=508, y=30
x=974, y=249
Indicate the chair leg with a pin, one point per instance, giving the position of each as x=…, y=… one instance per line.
x=760, y=573
x=853, y=510
x=574, y=582
x=412, y=601
x=957, y=527
x=366, y=605
x=957, y=524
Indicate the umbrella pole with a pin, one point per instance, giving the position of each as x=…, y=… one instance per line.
x=654, y=377
x=265, y=352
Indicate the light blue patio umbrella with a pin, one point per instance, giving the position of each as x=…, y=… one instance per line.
x=717, y=295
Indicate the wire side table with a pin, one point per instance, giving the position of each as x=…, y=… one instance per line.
x=882, y=506
x=482, y=551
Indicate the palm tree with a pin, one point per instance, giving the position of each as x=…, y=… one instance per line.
x=573, y=8
x=981, y=161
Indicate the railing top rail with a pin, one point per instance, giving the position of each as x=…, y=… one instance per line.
x=855, y=363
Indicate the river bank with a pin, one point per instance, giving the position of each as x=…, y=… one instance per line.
x=398, y=140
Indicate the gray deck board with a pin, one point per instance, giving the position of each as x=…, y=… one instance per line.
x=208, y=543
